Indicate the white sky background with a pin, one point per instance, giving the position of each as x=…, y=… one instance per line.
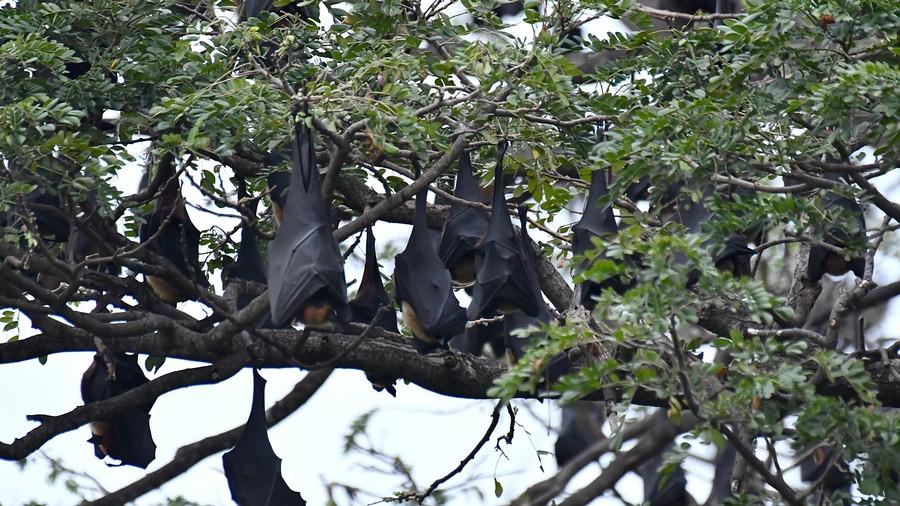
x=430, y=432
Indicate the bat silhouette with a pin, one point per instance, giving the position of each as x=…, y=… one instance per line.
x=50, y=226
x=249, y=265
x=465, y=226
x=306, y=269
x=596, y=221
x=251, y=467
x=501, y=281
x=178, y=240
x=125, y=437
x=575, y=431
x=370, y=296
x=424, y=289
x=518, y=319
x=279, y=182
x=733, y=256
x=849, y=227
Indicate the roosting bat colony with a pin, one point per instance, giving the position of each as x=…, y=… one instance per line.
x=484, y=252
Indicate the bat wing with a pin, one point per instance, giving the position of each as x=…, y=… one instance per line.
x=736, y=255
x=128, y=439
x=465, y=226
x=371, y=294
x=423, y=282
x=251, y=467
x=249, y=265
x=596, y=221
x=304, y=257
x=574, y=435
x=300, y=265
x=501, y=279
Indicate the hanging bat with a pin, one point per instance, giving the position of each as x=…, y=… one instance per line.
x=424, y=289
x=575, y=430
x=733, y=256
x=178, y=240
x=515, y=346
x=251, y=467
x=849, y=227
x=306, y=269
x=501, y=281
x=465, y=226
x=279, y=182
x=660, y=490
x=596, y=221
x=473, y=339
x=370, y=296
x=50, y=226
x=125, y=437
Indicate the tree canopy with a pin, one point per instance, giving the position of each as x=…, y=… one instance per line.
x=747, y=152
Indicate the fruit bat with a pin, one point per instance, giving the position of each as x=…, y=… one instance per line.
x=50, y=226
x=248, y=265
x=473, y=339
x=370, y=296
x=515, y=346
x=306, y=269
x=126, y=436
x=575, y=432
x=596, y=221
x=279, y=182
x=501, y=281
x=423, y=286
x=733, y=256
x=465, y=226
x=251, y=467
x=849, y=227
x=178, y=240
x=660, y=490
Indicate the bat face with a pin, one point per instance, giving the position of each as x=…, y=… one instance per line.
x=424, y=288
x=464, y=228
x=125, y=437
x=177, y=239
x=251, y=467
x=501, y=279
x=305, y=263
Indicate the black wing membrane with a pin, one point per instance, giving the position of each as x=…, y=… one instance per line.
x=596, y=221
x=515, y=346
x=465, y=226
x=423, y=286
x=125, y=437
x=306, y=269
x=733, y=256
x=848, y=228
x=251, y=467
x=178, y=240
x=370, y=296
x=501, y=282
x=249, y=265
